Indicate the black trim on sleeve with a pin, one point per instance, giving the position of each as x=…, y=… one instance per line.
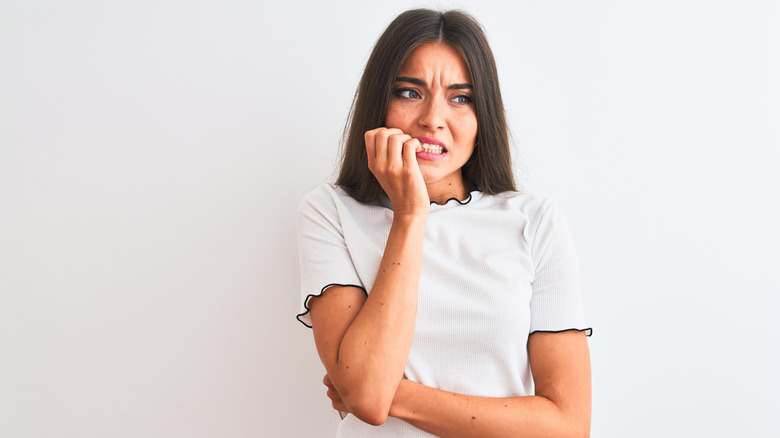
x=588, y=331
x=306, y=301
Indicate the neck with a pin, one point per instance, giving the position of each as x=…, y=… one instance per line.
x=442, y=191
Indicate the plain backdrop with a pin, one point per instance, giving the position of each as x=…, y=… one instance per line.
x=153, y=154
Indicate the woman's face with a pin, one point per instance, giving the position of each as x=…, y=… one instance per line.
x=432, y=101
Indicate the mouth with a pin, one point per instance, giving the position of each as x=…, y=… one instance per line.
x=431, y=147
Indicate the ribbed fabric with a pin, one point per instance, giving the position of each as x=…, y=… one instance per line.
x=495, y=269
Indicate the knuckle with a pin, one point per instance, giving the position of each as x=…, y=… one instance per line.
x=400, y=137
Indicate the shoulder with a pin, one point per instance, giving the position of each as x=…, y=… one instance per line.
x=321, y=196
x=329, y=194
x=535, y=215
x=332, y=203
x=533, y=207
x=319, y=207
x=326, y=199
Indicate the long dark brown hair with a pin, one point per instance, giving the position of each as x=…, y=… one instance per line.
x=490, y=167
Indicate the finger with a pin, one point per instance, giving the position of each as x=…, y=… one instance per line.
x=336, y=400
x=379, y=146
x=370, y=140
x=410, y=149
x=383, y=141
x=395, y=148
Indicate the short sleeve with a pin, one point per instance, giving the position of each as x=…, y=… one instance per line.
x=556, y=300
x=323, y=255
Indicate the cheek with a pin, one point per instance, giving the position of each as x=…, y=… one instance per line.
x=467, y=127
x=394, y=117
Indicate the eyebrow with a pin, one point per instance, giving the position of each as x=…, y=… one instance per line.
x=422, y=83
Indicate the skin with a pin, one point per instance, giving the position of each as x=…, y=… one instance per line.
x=433, y=99
x=364, y=341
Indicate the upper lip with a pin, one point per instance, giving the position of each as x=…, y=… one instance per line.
x=432, y=141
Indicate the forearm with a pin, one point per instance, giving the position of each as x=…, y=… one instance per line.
x=447, y=414
x=373, y=352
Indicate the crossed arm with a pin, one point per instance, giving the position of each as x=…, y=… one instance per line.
x=561, y=407
x=364, y=341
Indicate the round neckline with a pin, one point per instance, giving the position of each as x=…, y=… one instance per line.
x=473, y=195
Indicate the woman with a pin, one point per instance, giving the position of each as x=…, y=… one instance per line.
x=432, y=286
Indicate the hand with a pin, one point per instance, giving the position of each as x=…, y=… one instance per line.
x=393, y=161
x=334, y=396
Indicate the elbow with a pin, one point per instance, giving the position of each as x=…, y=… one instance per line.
x=374, y=417
x=585, y=433
x=369, y=402
x=572, y=431
x=373, y=410
x=580, y=429
x=573, y=424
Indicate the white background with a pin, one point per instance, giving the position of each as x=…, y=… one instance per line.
x=153, y=153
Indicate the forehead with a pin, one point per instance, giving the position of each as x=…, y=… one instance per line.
x=436, y=60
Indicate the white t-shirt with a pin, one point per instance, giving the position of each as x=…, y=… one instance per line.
x=495, y=269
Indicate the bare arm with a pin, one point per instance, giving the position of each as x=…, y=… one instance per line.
x=364, y=341
x=561, y=407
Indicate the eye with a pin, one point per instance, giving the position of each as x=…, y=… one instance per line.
x=462, y=99
x=408, y=93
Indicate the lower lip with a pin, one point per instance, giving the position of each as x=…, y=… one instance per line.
x=429, y=156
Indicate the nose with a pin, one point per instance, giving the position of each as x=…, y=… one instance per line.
x=433, y=115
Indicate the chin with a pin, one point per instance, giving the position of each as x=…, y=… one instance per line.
x=429, y=175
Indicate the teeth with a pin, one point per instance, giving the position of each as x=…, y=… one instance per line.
x=432, y=148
